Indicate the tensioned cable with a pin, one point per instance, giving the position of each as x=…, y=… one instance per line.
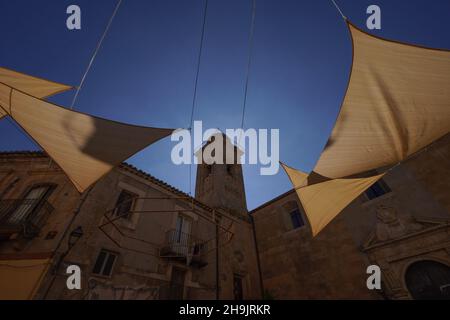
x=249, y=61
x=247, y=76
x=194, y=97
x=339, y=9
x=249, y=64
x=99, y=44
x=94, y=55
x=97, y=49
x=202, y=37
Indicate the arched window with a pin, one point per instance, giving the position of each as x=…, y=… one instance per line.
x=428, y=280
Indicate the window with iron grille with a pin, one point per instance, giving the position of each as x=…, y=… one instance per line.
x=26, y=209
x=125, y=204
x=105, y=263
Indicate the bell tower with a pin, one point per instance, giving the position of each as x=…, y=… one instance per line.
x=221, y=185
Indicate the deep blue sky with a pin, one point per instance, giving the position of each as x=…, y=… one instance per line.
x=144, y=73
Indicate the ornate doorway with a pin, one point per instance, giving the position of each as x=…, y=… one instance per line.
x=428, y=280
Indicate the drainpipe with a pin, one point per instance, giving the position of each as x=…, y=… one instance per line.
x=258, y=262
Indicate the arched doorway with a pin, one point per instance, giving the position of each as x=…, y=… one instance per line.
x=428, y=280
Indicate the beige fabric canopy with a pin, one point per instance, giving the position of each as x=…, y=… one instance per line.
x=37, y=87
x=397, y=102
x=20, y=279
x=323, y=201
x=298, y=178
x=85, y=147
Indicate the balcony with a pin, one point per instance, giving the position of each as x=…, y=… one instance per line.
x=23, y=217
x=184, y=247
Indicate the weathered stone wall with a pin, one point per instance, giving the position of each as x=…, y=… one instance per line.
x=432, y=169
x=333, y=264
x=139, y=271
x=19, y=174
x=296, y=266
x=238, y=257
x=221, y=186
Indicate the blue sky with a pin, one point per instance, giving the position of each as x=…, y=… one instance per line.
x=144, y=73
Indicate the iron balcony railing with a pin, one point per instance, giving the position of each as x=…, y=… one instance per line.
x=23, y=215
x=185, y=246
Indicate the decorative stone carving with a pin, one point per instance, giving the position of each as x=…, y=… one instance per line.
x=391, y=226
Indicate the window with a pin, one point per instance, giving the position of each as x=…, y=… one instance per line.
x=378, y=189
x=30, y=204
x=296, y=219
x=105, y=263
x=125, y=204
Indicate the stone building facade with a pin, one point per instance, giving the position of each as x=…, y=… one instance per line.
x=143, y=239
x=401, y=224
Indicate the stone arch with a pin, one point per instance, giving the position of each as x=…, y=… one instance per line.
x=427, y=278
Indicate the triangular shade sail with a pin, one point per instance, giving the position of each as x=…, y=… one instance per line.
x=298, y=178
x=36, y=87
x=397, y=102
x=85, y=147
x=5, y=94
x=323, y=201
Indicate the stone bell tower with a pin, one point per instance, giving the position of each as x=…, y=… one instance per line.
x=221, y=185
